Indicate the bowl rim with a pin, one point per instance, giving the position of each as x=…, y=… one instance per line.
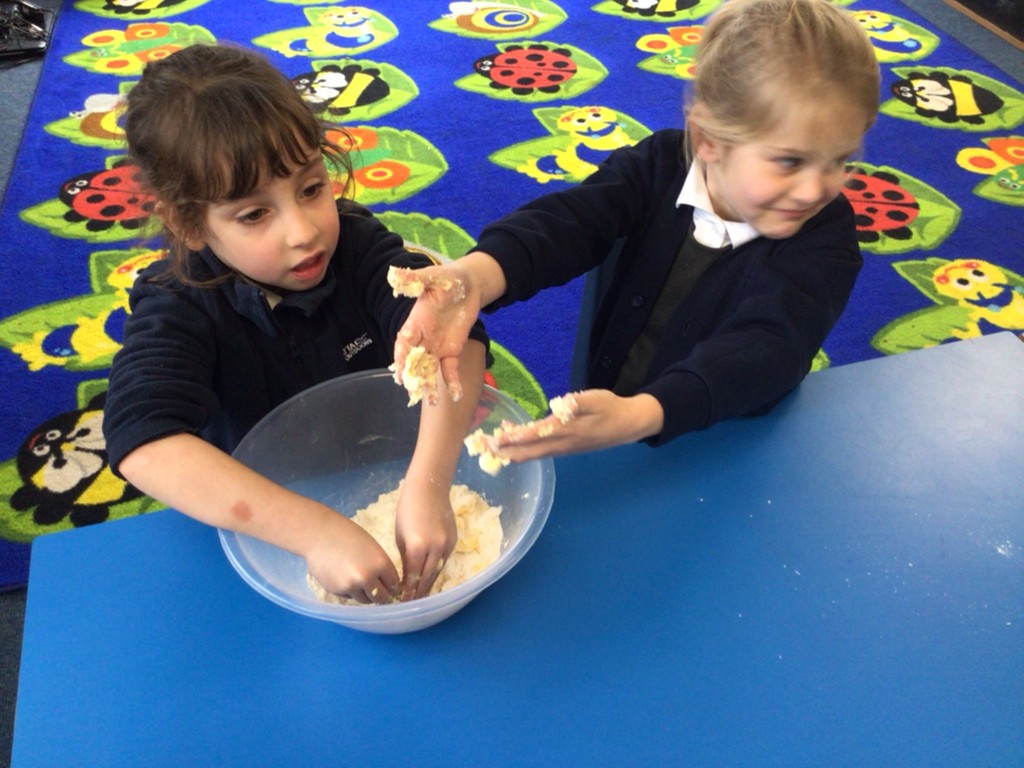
x=354, y=615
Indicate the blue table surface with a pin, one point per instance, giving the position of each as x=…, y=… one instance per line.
x=840, y=582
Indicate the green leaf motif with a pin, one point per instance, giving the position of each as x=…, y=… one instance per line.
x=820, y=362
x=445, y=241
x=936, y=219
x=674, y=54
x=332, y=32
x=17, y=520
x=960, y=307
x=125, y=53
x=96, y=124
x=971, y=101
x=392, y=165
x=920, y=273
x=151, y=10
x=440, y=239
x=991, y=189
x=513, y=378
x=501, y=21
x=580, y=138
x=924, y=328
x=372, y=90
x=82, y=333
x=548, y=78
x=100, y=211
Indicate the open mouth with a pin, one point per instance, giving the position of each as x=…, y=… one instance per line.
x=309, y=267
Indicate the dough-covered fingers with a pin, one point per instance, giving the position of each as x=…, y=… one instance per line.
x=418, y=374
x=420, y=578
x=450, y=374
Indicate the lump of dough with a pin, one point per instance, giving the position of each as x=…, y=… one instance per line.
x=564, y=408
x=419, y=374
x=405, y=282
x=478, y=545
x=483, y=445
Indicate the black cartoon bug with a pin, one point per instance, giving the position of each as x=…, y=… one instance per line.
x=949, y=98
x=64, y=470
x=647, y=8
x=338, y=90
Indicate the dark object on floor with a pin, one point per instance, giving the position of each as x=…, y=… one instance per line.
x=24, y=32
x=1004, y=17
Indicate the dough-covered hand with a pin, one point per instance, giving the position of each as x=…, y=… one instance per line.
x=425, y=532
x=583, y=421
x=446, y=307
x=348, y=562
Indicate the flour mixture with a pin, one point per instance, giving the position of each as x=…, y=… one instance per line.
x=478, y=546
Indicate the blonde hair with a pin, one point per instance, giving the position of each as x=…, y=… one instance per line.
x=206, y=124
x=758, y=57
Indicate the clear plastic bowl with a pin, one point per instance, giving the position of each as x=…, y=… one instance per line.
x=346, y=441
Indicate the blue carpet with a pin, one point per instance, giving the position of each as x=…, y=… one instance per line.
x=445, y=151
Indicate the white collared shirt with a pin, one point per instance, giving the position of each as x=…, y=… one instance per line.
x=708, y=228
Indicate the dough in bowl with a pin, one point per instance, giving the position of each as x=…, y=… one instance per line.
x=478, y=545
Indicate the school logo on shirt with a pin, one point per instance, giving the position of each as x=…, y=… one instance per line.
x=353, y=348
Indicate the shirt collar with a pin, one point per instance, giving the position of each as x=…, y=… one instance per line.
x=257, y=303
x=708, y=228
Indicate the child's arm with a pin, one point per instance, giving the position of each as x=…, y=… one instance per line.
x=441, y=319
x=425, y=525
x=197, y=478
x=599, y=419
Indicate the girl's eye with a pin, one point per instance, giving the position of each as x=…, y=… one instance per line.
x=252, y=217
x=313, y=189
x=788, y=163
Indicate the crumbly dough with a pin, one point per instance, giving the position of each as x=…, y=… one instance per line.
x=419, y=374
x=483, y=445
x=564, y=408
x=478, y=545
x=404, y=282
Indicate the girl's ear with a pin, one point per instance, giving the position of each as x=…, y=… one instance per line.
x=704, y=146
x=173, y=223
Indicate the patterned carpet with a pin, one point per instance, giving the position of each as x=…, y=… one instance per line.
x=446, y=145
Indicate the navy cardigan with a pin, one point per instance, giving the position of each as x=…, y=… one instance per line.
x=747, y=333
x=214, y=360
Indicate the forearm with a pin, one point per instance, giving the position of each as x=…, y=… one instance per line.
x=444, y=426
x=193, y=476
x=485, y=275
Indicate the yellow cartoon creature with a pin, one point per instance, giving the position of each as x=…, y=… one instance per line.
x=983, y=289
x=593, y=132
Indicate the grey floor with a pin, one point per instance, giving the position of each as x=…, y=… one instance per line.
x=17, y=87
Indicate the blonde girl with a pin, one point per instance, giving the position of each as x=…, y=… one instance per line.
x=726, y=252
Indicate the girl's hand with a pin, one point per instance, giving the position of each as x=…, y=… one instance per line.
x=600, y=419
x=445, y=311
x=439, y=321
x=348, y=562
x=426, y=533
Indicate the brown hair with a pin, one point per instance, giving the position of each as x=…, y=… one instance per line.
x=757, y=57
x=206, y=124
